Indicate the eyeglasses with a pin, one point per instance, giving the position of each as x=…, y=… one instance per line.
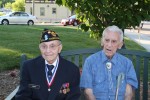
x=51, y=47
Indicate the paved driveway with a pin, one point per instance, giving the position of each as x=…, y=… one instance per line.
x=142, y=38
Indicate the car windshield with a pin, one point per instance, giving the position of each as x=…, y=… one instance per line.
x=73, y=17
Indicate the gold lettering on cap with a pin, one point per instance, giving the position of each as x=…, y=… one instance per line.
x=53, y=33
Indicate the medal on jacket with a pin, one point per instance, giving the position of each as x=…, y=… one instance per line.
x=49, y=89
x=50, y=78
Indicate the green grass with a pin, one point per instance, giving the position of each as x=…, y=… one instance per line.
x=16, y=40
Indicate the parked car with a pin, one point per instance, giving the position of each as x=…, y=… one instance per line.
x=72, y=20
x=17, y=18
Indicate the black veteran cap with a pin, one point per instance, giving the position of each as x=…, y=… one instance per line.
x=49, y=35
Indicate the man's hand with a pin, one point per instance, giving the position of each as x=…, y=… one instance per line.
x=129, y=92
x=88, y=93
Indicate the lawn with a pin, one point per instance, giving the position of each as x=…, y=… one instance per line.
x=16, y=40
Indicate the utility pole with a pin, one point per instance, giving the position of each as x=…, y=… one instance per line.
x=33, y=7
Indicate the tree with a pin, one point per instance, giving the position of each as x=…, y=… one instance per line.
x=0, y=3
x=98, y=14
x=18, y=5
x=8, y=5
x=3, y=2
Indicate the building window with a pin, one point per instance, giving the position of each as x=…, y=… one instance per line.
x=42, y=11
x=53, y=10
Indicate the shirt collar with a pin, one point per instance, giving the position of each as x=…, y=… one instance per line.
x=105, y=59
x=54, y=63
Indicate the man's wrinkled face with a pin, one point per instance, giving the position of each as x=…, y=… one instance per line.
x=50, y=50
x=111, y=42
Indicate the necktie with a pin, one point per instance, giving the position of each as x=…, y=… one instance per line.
x=50, y=67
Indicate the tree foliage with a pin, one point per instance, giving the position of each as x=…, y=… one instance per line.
x=18, y=5
x=8, y=5
x=0, y=3
x=98, y=14
x=3, y=2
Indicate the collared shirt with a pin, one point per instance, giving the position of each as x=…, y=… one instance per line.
x=95, y=75
x=51, y=77
x=55, y=63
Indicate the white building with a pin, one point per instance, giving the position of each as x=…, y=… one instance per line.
x=46, y=10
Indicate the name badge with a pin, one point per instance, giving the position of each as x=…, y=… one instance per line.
x=34, y=86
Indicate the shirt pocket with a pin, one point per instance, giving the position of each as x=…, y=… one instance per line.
x=99, y=82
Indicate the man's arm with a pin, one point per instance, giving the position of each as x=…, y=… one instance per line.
x=24, y=92
x=88, y=93
x=129, y=92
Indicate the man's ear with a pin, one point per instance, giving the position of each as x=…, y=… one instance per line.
x=39, y=46
x=120, y=45
x=60, y=48
x=102, y=44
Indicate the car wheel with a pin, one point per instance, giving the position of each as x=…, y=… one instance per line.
x=75, y=23
x=5, y=22
x=30, y=22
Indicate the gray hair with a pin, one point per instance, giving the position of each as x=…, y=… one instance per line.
x=113, y=29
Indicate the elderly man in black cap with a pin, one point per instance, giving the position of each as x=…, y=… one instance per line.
x=49, y=76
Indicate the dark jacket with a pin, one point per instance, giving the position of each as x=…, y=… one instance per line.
x=33, y=84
